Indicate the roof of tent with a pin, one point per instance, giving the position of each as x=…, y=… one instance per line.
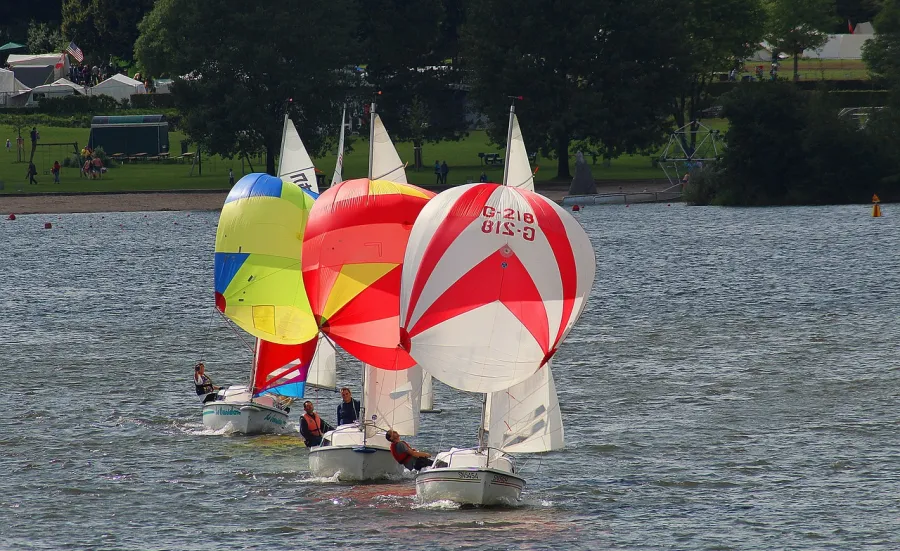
x=119, y=80
x=37, y=60
x=864, y=28
x=57, y=86
x=10, y=46
x=9, y=83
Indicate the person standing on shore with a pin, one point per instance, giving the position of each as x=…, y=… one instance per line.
x=55, y=171
x=34, y=139
x=8, y=146
x=437, y=172
x=32, y=172
x=231, y=177
x=444, y=171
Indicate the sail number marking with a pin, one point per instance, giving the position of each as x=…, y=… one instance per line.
x=507, y=223
x=467, y=475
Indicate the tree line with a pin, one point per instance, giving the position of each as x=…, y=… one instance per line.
x=599, y=75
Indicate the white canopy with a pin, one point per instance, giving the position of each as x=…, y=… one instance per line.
x=840, y=46
x=38, y=60
x=61, y=87
x=8, y=82
x=119, y=87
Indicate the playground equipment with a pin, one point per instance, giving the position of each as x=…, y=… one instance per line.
x=691, y=147
x=46, y=153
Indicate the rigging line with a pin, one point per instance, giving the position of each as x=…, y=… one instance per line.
x=205, y=346
x=231, y=326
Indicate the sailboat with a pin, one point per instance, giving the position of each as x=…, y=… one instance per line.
x=295, y=164
x=427, y=405
x=257, y=278
x=486, y=312
x=338, y=176
x=352, y=260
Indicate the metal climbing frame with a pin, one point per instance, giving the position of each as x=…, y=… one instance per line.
x=679, y=157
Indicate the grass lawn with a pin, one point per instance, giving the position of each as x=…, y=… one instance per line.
x=462, y=157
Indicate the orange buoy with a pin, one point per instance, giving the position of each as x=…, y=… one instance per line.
x=876, y=208
x=11, y=217
x=576, y=208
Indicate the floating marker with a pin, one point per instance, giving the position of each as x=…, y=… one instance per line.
x=11, y=217
x=576, y=208
x=876, y=208
x=48, y=225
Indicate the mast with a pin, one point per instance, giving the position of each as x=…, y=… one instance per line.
x=481, y=425
x=371, y=137
x=250, y=385
x=283, y=138
x=512, y=113
x=362, y=404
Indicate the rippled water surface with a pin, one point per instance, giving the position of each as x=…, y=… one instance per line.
x=732, y=385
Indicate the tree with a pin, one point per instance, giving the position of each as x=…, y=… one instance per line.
x=720, y=34
x=43, y=38
x=797, y=25
x=882, y=52
x=407, y=48
x=853, y=12
x=102, y=28
x=15, y=17
x=600, y=71
x=240, y=64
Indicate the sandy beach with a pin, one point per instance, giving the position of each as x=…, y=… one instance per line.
x=205, y=200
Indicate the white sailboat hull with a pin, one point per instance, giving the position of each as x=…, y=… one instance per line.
x=344, y=454
x=469, y=479
x=245, y=415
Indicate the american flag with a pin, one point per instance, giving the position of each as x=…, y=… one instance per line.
x=76, y=52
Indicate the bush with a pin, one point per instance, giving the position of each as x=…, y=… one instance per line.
x=77, y=104
x=150, y=101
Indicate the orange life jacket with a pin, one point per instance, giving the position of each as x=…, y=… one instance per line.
x=313, y=423
x=399, y=457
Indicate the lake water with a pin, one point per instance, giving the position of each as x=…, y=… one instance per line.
x=733, y=384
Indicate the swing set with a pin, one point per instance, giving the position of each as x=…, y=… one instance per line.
x=54, y=152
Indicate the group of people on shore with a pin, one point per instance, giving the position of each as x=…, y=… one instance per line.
x=313, y=427
x=440, y=172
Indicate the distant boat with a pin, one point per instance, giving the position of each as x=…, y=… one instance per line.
x=295, y=164
x=490, y=294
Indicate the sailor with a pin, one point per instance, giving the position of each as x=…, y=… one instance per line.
x=204, y=384
x=348, y=409
x=407, y=455
x=312, y=427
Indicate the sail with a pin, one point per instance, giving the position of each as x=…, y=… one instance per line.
x=352, y=259
x=258, y=278
x=493, y=280
x=427, y=392
x=322, y=372
x=295, y=165
x=393, y=398
x=339, y=165
x=525, y=418
x=518, y=172
x=385, y=162
x=281, y=369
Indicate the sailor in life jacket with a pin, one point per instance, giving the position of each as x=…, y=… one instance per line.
x=407, y=455
x=204, y=384
x=312, y=427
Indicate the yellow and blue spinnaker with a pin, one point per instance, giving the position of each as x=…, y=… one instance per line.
x=259, y=242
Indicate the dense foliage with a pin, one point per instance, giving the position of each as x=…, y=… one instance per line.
x=786, y=146
x=238, y=65
x=597, y=71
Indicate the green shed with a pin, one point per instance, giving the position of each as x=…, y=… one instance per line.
x=130, y=134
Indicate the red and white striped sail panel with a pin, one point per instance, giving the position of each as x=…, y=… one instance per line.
x=494, y=278
x=352, y=260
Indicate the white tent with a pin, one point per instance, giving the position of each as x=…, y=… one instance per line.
x=59, y=88
x=840, y=46
x=119, y=87
x=864, y=28
x=40, y=68
x=8, y=82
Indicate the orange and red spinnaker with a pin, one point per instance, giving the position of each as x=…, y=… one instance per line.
x=352, y=263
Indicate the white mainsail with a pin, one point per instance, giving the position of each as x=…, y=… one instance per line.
x=322, y=372
x=339, y=165
x=385, y=163
x=427, y=393
x=296, y=166
x=393, y=398
x=525, y=418
x=518, y=171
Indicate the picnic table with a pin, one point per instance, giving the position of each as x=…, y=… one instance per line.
x=139, y=156
x=491, y=158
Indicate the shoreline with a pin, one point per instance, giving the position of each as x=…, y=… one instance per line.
x=203, y=200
